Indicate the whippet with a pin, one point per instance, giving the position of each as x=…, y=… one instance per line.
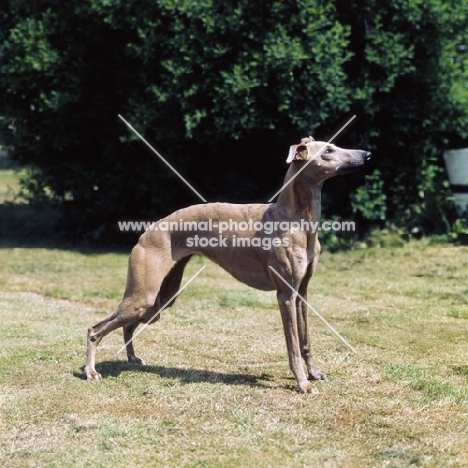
x=157, y=262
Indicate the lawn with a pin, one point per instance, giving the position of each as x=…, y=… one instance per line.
x=216, y=390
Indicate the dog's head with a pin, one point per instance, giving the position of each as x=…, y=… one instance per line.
x=324, y=160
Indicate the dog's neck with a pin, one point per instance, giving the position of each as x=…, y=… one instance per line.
x=301, y=198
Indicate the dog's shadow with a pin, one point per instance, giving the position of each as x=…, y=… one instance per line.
x=183, y=375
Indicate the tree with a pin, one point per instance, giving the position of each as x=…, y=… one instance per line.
x=222, y=89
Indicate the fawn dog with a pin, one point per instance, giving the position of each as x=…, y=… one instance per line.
x=157, y=262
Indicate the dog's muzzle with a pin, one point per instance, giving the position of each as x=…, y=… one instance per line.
x=366, y=155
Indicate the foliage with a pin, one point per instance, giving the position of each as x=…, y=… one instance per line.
x=222, y=89
x=369, y=199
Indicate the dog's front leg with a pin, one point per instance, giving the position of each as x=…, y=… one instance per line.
x=287, y=304
x=303, y=331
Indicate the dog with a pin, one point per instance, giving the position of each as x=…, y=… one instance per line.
x=157, y=262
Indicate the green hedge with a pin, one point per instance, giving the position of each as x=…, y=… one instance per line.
x=222, y=89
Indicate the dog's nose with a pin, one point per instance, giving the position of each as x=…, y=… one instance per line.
x=367, y=155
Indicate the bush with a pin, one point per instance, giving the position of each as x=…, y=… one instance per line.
x=222, y=89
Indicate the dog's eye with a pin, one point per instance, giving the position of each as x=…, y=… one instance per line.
x=326, y=154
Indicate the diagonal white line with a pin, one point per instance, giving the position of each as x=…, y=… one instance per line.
x=162, y=308
x=162, y=159
x=314, y=311
x=308, y=162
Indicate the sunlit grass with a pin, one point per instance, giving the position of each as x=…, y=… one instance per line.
x=216, y=390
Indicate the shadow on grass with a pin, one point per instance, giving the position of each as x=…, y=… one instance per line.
x=184, y=376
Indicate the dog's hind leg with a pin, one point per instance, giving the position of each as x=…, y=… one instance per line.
x=128, y=339
x=97, y=332
x=146, y=273
x=171, y=283
x=170, y=286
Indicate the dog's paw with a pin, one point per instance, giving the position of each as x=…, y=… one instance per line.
x=136, y=360
x=93, y=375
x=317, y=375
x=308, y=388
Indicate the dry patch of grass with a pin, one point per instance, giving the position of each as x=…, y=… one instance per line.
x=216, y=390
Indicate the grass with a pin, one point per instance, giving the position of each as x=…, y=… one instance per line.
x=9, y=180
x=216, y=390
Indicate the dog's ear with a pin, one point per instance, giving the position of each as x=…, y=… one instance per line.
x=307, y=140
x=297, y=153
